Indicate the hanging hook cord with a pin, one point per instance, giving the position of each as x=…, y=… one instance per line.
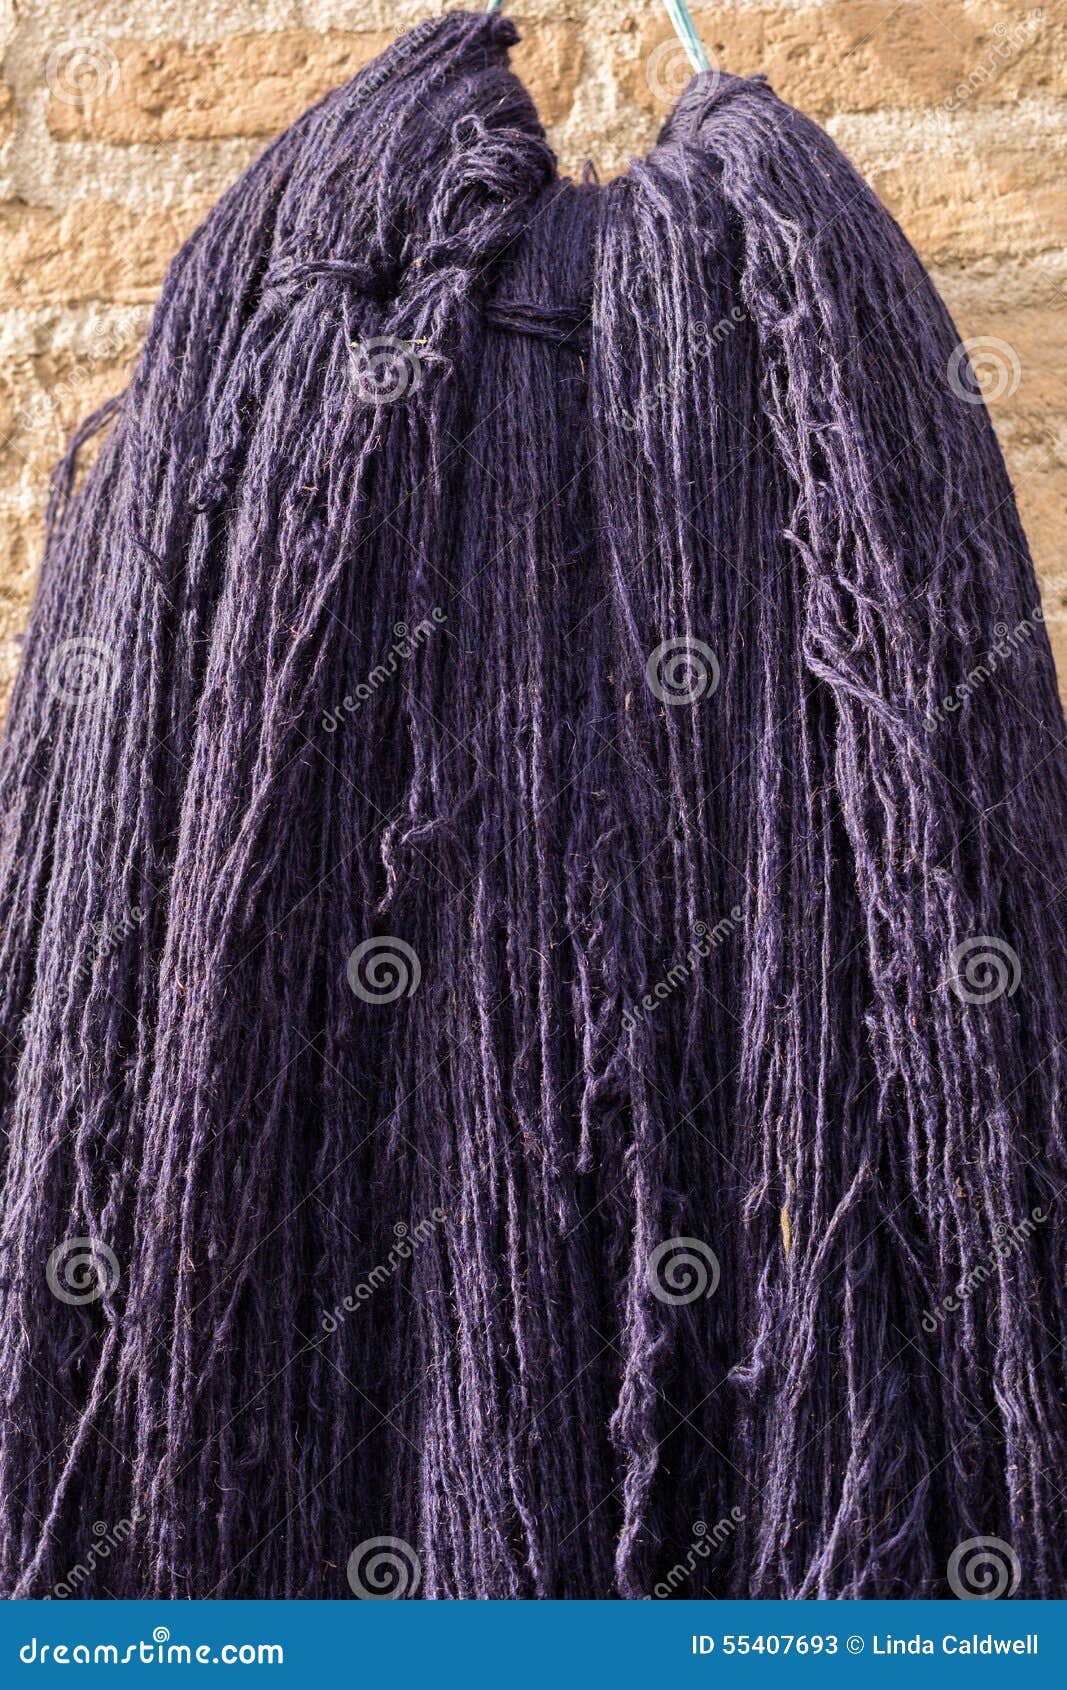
x=685, y=29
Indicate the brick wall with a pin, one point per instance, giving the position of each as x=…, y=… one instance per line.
x=120, y=124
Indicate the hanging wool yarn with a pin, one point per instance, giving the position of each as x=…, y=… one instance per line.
x=532, y=1023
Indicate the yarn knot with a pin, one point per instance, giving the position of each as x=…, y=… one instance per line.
x=374, y=281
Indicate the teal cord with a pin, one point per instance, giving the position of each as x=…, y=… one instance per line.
x=685, y=29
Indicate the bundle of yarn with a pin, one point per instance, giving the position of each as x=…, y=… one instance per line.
x=533, y=1038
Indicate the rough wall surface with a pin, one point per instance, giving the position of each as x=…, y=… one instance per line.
x=120, y=124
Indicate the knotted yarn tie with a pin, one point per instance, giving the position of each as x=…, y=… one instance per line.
x=560, y=325
x=376, y=282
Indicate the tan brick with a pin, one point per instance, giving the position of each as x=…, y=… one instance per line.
x=1026, y=355
x=7, y=112
x=255, y=84
x=864, y=55
x=1057, y=633
x=21, y=542
x=7, y=94
x=1011, y=201
x=42, y=399
x=549, y=60
x=1042, y=501
x=1039, y=342
x=95, y=249
x=248, y=84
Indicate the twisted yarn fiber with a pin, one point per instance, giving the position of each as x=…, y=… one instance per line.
x=706, y=403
